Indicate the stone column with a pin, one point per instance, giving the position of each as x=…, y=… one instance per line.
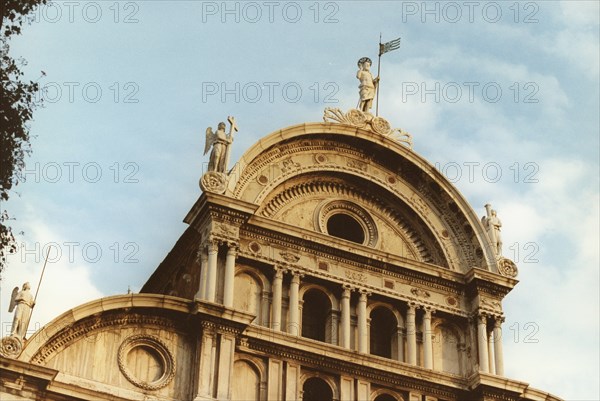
x=345, y=338
x=277, y=292
x=203, y=256
x=211, y=274
x=482, y=343
x=427, y=343
x=491, y=359
x=498, y=346
x=400, y=343
x=361, y=311
x=225, y=365
x=264, y=309
x=229, y=276
x=294, y=321
x=207, y=363
x=411, y=334
x=334, y=332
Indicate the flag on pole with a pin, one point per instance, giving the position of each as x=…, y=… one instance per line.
x=389, y=46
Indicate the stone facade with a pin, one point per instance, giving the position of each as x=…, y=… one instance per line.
x=331, y=263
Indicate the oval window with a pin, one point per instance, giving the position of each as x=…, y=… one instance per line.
x=346, y=227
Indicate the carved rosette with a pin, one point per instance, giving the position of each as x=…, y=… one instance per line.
x=213, y=182
x=360, y=119
x=160, y=353
x=507, y=268
x=10, y=347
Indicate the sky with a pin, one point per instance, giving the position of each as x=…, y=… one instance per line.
x=502, y=97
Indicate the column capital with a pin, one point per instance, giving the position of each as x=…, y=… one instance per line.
x=413, y=304
x=212, y=244
x=278, y=272
x=429, y=310
x=232, y=246
x=482, y=318
x=201, y=254
x=296, y=274
x=498, y=320
x=363, y=291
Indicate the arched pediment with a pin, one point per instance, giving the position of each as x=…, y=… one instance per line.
x=293, y=173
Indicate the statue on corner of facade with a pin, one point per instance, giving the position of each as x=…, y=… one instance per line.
x=220, y=142
x=492, y=224
x=22, y=303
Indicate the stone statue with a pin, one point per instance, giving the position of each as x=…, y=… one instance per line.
x=22, y=303
x=368, y=84
x=220, y=143
x=492, y=224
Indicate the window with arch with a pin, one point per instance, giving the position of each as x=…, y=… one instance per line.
x=446, y=353
x=248, y=295
x=246, y=386
x=316, y=389
x=383, y=333
x=385, y=397
x=316, y=315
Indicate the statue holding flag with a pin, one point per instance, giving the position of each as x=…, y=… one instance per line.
x=367, y=86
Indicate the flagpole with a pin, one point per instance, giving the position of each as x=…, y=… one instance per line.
x=41, y=276
x=378, y=71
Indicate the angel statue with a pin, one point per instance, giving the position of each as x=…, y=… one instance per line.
x=492, y=224
x=219, y=141
x=22, y=303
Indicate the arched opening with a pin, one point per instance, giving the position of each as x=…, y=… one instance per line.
x=383, y=332
x=246, y=386
x=316, y=389
x=247, y=295
x=316, y=316
x=446, y=356
x=346, y=227
x=385, y=397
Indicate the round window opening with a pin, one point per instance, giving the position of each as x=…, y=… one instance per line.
x=146, y=362
x=345, y=227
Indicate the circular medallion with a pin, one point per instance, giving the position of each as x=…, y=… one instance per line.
x=262, y=179
x=320, y=158
x=356, y=118
x=146, y=362
x=381, y=126
x=254, y=247
x=213, y=182
x=10, y=347
x=451, y=301
x=507, y=267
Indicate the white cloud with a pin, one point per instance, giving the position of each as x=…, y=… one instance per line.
x=65, y=285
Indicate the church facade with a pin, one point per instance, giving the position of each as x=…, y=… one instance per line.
x=331, y=262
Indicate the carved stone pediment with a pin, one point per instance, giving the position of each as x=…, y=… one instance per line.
x=367, y=121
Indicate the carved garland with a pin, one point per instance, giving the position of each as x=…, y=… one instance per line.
x=166, y=361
